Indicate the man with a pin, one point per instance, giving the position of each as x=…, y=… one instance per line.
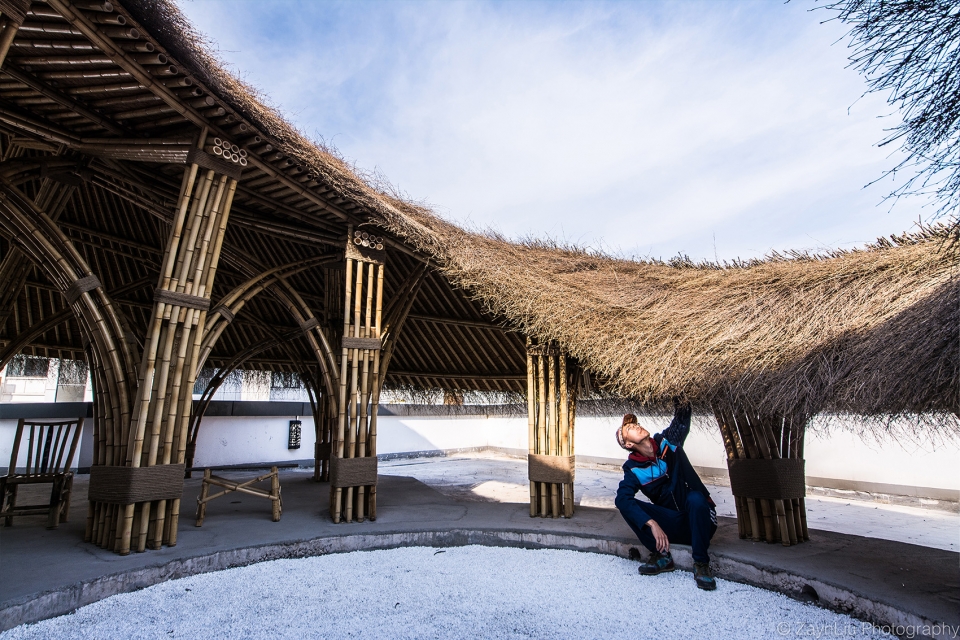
x=680, y=509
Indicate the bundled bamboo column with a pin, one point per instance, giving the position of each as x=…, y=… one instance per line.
x=137, y=504
x=551, y=410
x=353, y=459
x=765, y=459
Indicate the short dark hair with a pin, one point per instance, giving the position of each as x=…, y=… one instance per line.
x=628, y=419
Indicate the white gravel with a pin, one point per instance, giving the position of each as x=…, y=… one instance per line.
x=465, y=592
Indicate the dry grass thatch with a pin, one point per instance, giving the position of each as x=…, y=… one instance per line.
x=872, y=332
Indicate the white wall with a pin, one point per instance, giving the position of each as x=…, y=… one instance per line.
x=840, y=455
x=242, y=440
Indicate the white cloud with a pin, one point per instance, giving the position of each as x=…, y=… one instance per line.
x=649, y=128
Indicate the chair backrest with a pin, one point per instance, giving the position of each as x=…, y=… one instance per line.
x=50, y=446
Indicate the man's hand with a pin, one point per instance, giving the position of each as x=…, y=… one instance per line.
x=663, y=544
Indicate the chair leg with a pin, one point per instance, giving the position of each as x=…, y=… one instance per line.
x=9, y=502
x=67, y=494
x=56, y=495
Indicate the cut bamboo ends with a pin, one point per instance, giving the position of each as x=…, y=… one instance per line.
x=551, y=412
x=747, y=436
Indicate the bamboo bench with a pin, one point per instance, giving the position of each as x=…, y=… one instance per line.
x=229, y=486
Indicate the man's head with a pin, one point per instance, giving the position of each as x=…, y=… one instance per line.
x=632, y=437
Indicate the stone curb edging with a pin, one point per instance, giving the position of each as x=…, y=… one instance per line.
x=59, y=602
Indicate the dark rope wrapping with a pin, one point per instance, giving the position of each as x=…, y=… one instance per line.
x=361, y=343
x=225, y=313
x=129, y=485
x=181, y=299
x=81, y=286
x=306, y=325
x=553, y=469
x=353, y=472
x=781, y=479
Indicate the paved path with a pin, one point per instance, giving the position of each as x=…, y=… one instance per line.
x=50, y=572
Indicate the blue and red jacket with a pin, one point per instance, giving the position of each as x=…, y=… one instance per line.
x=666, y=478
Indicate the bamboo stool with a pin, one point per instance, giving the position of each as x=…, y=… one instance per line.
x=244, y=487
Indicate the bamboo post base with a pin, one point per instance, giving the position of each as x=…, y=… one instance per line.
x=353, y=504
x=230, y=486
x=551, y=409
x=772, y=441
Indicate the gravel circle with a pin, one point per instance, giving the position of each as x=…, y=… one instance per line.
x=463, y=592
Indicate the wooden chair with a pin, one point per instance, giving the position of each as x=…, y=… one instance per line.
x=50, y=450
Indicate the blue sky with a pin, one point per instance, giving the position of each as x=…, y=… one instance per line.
x=715, y=129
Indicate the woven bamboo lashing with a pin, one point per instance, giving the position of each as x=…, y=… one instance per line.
x=361, y=343
x=778, y=479
x=181, y=299
x=353, y=472
x=81, y=286
x=129, y=485
x=554, y=469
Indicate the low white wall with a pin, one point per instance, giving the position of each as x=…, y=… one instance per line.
x=242, y=440
x=840, y=455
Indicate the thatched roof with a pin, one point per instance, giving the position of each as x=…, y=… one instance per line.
x=872, y=331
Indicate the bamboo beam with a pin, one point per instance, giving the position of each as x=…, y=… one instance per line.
x=63, y=100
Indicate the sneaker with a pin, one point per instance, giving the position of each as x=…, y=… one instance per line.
x=703, y=576
x=657, y=563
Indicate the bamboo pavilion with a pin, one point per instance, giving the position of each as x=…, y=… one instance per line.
x=157, y=219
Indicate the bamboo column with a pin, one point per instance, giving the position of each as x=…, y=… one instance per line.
x=551, y=411
x=353, y=459
x=140, y=507
x=765, y=458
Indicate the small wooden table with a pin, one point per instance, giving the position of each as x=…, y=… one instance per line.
x=244, y=487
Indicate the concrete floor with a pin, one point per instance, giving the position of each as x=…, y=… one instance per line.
x=428, y=502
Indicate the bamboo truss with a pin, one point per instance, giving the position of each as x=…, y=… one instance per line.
x=353, y=495
x=771, y=512
x=551, y=413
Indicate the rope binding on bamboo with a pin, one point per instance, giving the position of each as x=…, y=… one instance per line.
x=129, y=485
x=181, y=299
x=556, y=469
x=778, y=479
x=80, y=287
x=353, y=472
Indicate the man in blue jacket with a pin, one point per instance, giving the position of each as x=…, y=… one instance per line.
x=680, y=509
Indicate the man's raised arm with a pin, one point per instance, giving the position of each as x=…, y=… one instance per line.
x=679, y=427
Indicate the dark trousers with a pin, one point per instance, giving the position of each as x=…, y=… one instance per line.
x=694, y=525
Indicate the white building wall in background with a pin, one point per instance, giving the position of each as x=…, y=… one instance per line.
x=841, y=456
